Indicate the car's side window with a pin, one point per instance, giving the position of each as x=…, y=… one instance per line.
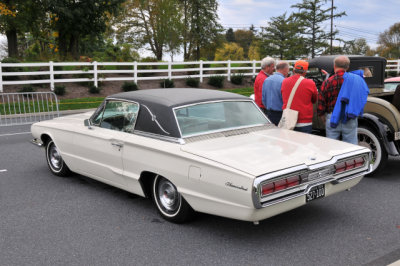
x=118, y=115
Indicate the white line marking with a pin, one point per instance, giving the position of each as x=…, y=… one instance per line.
x=12, y=134
x=3, y=170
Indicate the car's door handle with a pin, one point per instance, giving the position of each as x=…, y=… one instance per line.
x=117, y=144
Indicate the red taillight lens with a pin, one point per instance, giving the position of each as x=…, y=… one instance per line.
x=293, y=181
x=359, y=162
x=340, y=167
x=279, y=185
x=349, y=164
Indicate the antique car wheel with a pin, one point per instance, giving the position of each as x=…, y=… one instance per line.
x=170, y=204
x=54, y=160
x=367, y=138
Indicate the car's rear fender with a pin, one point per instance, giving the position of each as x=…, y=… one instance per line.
x=383, y=130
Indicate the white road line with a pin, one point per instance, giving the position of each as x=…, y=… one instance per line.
x=3, y=170
x=12, y=134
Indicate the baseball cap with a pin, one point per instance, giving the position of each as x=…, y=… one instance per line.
x=301, y=65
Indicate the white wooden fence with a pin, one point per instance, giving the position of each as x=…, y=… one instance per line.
x=132, y=71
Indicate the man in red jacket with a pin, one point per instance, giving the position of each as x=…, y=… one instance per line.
x=267, y=69
x=304, y=97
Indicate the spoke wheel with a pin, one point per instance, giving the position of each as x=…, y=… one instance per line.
x=368, y=138
x=54, y=160
x=169, y=202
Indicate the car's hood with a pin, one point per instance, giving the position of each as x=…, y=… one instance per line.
x=269, y=150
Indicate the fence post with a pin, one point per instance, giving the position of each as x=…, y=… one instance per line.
x=398, y=66
x=254, y=68
x=135, y=71
x=169, y=70
x=95, y=74
x=201, y=71
x=1, y=78
x=229, y=70
x=51, y=68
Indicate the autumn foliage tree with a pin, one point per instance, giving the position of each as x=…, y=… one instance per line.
x=389, y=42
x=230, y=51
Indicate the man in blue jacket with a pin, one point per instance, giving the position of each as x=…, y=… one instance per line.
x=271, y=92
x=341, y=101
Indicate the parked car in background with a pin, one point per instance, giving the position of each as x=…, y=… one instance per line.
x=379, y=128
x=391, y=83
x=200, y=150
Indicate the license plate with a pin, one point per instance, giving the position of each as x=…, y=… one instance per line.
x=316, y=193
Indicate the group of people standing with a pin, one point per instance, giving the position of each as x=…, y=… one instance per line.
x=340, y=101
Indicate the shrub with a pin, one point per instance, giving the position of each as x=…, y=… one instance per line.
x=167, y=83
x=27, y=88
x=11, y=69
x=192, y=82
x=94, y=90
x=216, y=81
x=129, y=86
x=237, y=79
x=59, y=90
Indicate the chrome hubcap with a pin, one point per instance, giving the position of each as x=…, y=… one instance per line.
x=365, y=141
x=55, y=157
x=168, y=196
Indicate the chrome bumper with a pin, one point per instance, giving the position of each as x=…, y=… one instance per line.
x=37, y=142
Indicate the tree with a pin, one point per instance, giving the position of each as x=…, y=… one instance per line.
x=18, y=17
x=244, y=38
x=313, y=15
x=230, y=51
x=230, y=35
x=254, y=49
x=156, y=23
x=282, y=38
x=356, y=47
x=389, y=42
x=74, y=19
x=200, y=26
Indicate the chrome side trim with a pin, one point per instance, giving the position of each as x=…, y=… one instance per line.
x=302, y=188
x=154, y=119
x=159, y=137
x=37, y=142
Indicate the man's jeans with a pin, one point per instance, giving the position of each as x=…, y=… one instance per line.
x=348, y=130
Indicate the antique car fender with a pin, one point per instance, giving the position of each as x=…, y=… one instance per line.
x=380, y=126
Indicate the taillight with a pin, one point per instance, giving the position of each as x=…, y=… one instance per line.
x=349, y=165
x=280, y=185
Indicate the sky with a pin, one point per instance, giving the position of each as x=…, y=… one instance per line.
x=365, y=19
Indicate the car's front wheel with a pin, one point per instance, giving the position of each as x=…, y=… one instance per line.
x=169, y=202
x=368, y=138
x=54, y=160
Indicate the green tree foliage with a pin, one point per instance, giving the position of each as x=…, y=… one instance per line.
x=74, y=20
x=156, y=23
x=389, y=42
x=230, y=35
x=230, y=51
x=244, y=38
x=18, y=17
x=356, y=47
x=313, y=15
x=281, y=38
x=200, y=26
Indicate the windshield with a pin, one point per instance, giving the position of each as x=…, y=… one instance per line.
x=218, y=116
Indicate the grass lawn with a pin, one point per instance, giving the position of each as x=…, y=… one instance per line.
x=85, y=103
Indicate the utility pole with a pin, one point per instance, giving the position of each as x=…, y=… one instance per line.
x=331, y=28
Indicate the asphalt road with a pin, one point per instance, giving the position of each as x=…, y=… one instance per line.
x=48, y=220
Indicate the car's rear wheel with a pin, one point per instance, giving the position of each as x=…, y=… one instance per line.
x=368, y=138
x=54, y=160
x=169, y=202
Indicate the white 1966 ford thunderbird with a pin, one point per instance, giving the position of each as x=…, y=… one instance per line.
x=200, y=150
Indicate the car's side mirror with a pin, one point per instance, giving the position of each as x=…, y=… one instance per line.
x=87, y=123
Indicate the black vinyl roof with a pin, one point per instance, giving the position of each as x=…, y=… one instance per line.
x=156, y=113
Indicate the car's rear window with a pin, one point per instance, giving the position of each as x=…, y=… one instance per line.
x=218, y=116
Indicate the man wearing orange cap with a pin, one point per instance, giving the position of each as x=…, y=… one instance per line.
x=304, y=97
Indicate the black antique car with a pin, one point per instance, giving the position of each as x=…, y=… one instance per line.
x=379, y=127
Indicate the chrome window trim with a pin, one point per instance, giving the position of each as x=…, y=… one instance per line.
x=119, y=100
x=221, y=130
x=256, y=196
x=154, y=119
x=159, y=137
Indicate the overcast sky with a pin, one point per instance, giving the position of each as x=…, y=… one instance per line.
x=366, y=18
